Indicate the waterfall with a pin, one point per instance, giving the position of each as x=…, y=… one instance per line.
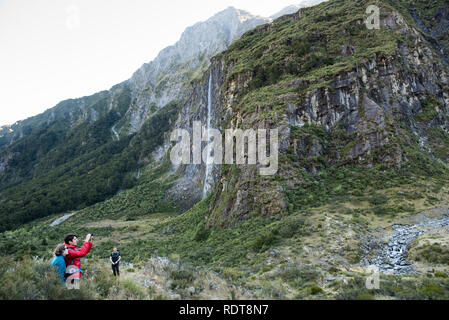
x=206, y=184
x=115, y=132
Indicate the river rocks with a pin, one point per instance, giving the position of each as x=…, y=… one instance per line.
x=391, y=257
x=214, y=286
x=191, y=290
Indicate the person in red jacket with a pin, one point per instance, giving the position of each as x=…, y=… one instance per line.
x=72, y=259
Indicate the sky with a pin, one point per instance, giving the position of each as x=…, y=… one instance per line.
x=53, y=50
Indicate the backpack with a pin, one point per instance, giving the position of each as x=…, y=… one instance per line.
x=72, y=271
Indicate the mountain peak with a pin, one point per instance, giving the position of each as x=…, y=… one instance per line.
x=295, y=7
x=232, y=15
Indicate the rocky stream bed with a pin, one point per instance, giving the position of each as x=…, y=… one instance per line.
x=390, y=252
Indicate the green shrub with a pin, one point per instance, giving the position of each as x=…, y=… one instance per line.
x=297, y=275
x=431, y=291
x=182, y=278
x=231, y=273
x=201, y=233
x=291, y=227
x=30, y=279
x=441, y=275
x=434, y=253
x=103, y=282
x=380, y=210
x=314, y=290
x=378, y=199
x=130, y=290
x=263, y=241
x=365, y=296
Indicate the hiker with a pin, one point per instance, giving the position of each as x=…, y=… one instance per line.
x=115, y=259
x=72, y=259
x=59, y=261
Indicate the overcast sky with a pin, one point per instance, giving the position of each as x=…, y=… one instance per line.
x=52, y=50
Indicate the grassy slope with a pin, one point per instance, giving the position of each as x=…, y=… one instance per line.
x=318, y=238
x=281, y=258
x=84, y=168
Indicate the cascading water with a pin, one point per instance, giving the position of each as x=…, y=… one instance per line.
x=206, y=184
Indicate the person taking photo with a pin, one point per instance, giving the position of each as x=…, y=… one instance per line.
x=74, y=254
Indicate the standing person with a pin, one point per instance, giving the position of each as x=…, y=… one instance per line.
x=115, y=259
x=59, y=261
x=73, y=256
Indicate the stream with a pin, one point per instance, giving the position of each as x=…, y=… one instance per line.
x=391, y=256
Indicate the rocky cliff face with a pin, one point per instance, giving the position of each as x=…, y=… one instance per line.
x=370, y=112
x=167, y=77
x=189, y=188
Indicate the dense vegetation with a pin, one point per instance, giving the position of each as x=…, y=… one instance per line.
x=309, y=46
x=83, y=168
x=281, y=256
